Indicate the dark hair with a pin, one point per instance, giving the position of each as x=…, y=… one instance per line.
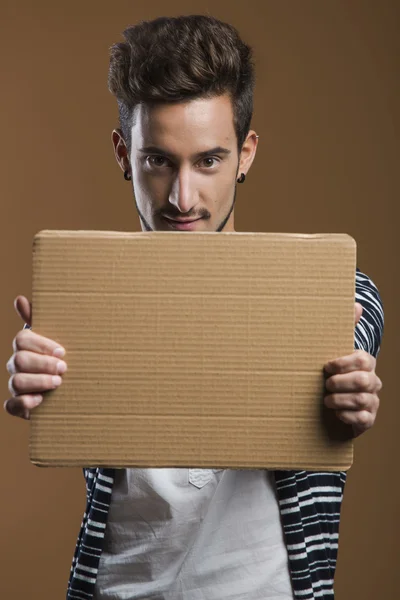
x=175, y=59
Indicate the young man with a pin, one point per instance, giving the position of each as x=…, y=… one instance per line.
x=184, y=88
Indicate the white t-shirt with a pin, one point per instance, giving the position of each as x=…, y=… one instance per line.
x=194, y=534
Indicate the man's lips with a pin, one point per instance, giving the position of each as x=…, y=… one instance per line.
x=182, y=220
x=182, y=225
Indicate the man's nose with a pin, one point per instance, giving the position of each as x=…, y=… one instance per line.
x=183, y=195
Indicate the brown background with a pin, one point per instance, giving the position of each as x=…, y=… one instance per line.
x=327, y=111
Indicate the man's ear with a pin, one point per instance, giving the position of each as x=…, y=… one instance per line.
x=120, y=150
x=248, y=152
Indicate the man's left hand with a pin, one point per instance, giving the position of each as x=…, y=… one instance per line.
x=353, y=387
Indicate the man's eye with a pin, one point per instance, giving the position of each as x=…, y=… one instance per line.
x=209, y=161
x=157, y=161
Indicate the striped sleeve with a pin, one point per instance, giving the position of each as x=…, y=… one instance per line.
x=369, y=330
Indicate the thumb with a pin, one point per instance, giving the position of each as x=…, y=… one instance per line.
x=358, y=310
x=24, y=309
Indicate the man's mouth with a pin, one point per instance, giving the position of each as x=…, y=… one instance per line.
x=182, y=224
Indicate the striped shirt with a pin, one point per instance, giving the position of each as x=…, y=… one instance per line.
x=309, y=502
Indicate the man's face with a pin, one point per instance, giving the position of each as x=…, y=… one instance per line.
x=184, y=164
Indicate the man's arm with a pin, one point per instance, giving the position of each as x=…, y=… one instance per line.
x=352, y=384
x=369, y=329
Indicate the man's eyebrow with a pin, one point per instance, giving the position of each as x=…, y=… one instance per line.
x=212, y=151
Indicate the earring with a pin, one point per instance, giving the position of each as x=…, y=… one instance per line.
x=241, y=178
x=127, y=176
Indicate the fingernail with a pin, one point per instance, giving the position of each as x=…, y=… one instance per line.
x=56, y=380
x=61, y=367
x=59, y=352
x=36, y=400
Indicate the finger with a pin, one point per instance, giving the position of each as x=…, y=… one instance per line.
x=358, y=381
x=24, y=309
x=11, y=368
x=22, y=405
x=358, y=310
x=359, y=360
x=355, y=402
x=31, y=362
x=361, y=420
x=33, y=342
x=23, y=383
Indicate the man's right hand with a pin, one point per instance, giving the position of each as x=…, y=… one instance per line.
x=35, y=367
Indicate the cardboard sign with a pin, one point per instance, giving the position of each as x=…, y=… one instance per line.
x=186, y=349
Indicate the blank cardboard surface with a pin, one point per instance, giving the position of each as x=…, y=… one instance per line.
x=193, y=350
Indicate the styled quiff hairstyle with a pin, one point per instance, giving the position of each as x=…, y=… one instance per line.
x=176, y=59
